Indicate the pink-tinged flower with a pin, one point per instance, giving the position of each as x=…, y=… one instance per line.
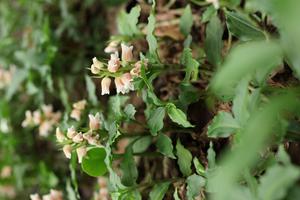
x=28, y=119
x=80, y=105
x=127, y=81
x=47, y=110
x=56, y=195
x=60, y=136
x=102, y=182
x=47, y=197
x=6, y=172
x=37, y=117
x=44, y=128
x=96, y=66
x=105, y=83
x=111, y=47
x=35, y=197
x=55, y=117
x=114, y=62
x=78, y=138
x=71, y=132
x=119, y=85
x=67, y=149
x=81, y=152
x=94, y=121
x=75, y=114
x=127, y=55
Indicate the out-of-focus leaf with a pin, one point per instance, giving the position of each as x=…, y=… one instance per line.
x=177, y=116
x=186, y=20
x=90, y=86
x=18, y=77
x=213, y=41
x=223, y=125
x=70, y=191
x=211, y=156
x=243, y=61
x=194, y=185
x=142, y=144
x=127, y=23
x=184, y=159
x=159, y=190
x=164, y=145
x=129, y=111
x=208, y=14
x=175, y=195
x=242, y=27
x=93, y=163
x=277, y=180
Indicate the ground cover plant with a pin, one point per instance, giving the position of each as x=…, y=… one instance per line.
x=165, y=99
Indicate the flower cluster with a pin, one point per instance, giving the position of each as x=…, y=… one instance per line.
x=123, y=70
x=102, y=194
x=44, y=118
x=53, y=195
x=78, y=107
x=74, y=140
x=6, y=76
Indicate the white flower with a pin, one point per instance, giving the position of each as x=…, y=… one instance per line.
x=67, y=149
x=28, y=119
x=127, y=81
x=78, y=138
x=215, y=3
x=81, y=152
x=56, y=195
x=105, y=83
x=111, y=47
x=114, y=62
x=59, y=135
x=71, y=132
x=79, y=105
x=35, y=197
x=96, y=66
x=94, y=121
x=75, y=114
x=44, y=128
x=120, y=85
x=37, y=117
x=47, y=197
x=6, y=172
x=47, y=110
x=127, y=55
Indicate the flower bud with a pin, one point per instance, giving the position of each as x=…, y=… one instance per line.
x=80, y=105
x=78, y=138
x=59, y=135
x=114, y=62
x=71, y=132
x=105, y=83
x=81, y=152
x=96, y=66
x=75, y=114
x=111, y=47
x=35, y=197
x=127, y=55
x=67, y=149
x=94, y=121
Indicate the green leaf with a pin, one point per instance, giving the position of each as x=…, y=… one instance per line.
x=164, y=145
x=115, y=105
x=90, y=86
x=70, y=191
x=223, y=125
x=198, y=166
x=159, y=190
x=213, y=41
x=142, y=144
x=156, y=120
x=188, y=94
x=127, y=23
x=209, y=12
x=175, y=195
x=18, y=77
x=93, y=163
x=242, y=27
x=186, y=20
x=275, y=183
x=242, y=61
x=130, y=111
x=194, y=185
x=191, y=65
x=177, y=116
x=129, y=169
x=152, y=42
x=211, y=156
x=184, y=159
